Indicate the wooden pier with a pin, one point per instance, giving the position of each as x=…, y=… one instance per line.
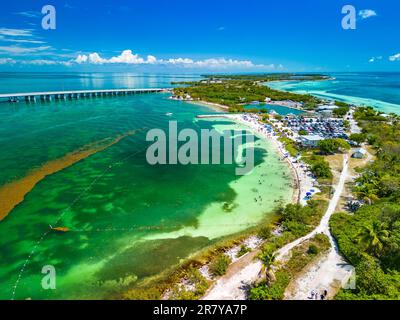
x=77, y=94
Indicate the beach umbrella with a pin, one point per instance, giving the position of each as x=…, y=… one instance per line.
x=312, y=190
x=308, y=194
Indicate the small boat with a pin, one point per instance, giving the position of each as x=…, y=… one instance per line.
x=60, y=229
x=169, y=114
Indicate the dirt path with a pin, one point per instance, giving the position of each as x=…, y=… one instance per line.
x=332, y=271
x=234, y=285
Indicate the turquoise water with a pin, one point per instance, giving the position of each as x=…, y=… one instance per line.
x=378, y=89
x=127, y=220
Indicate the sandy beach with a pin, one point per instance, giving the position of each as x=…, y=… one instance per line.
x=303, y=181
x=214, y=106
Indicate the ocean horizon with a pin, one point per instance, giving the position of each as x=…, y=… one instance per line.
x=377, y=89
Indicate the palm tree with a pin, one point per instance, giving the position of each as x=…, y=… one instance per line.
x=374, y=237
x=367, y=193
x=268, y=260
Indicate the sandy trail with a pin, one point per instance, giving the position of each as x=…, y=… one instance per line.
x=332, y=271
x=235, y=286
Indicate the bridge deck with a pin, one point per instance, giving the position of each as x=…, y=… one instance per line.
x=48, y=95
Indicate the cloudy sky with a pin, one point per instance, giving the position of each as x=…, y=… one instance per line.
x=197, y=36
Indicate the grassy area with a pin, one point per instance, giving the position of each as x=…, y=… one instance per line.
x=370, y=238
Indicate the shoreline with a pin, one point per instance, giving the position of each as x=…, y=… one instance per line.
x=379, y=105
x=302, y=181
x=251, y=237
x=212, y=105
x=245, y=265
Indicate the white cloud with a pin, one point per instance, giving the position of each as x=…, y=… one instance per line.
x=374, y=59
x=177, y=61
x=96, y=59
x=395, y=57
x=7, y=61
x=29, y=14
x=223, y=63
x=23, y=50
x=128, y=57
x=151, y=59
x=44, y=62
x=16, y=32
x=81, y=58
x=4, y=39
x=367, y=13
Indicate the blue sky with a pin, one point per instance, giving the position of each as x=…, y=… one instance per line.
x=197, y=36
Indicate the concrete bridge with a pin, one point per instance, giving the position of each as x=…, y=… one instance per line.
x=76, y=94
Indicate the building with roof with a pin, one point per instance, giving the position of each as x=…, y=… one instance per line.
x=310, y=140
x=359, y=153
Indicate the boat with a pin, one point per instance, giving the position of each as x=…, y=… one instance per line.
x=59, y=229
x=169, y=114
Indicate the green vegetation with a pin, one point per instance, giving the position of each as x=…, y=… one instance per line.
x=236, y=93
x=370, y=239
x=290, y=146
x=194, y=279
x=342, y=104
x=332, y=146
x=242, y=251
x=321, y=169
x=303, y=132
x=300, y=220
x=319, y=166
x=341, y=111
x=273, y=287
x=312, y=249
x=269, y=77
x=358, y=137
x=268, y=262
x=265, y=232
x=296, y=221
x=219, y=266
x=368, y=114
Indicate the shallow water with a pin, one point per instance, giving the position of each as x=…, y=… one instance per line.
x=128, y=220
x=376, y=89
